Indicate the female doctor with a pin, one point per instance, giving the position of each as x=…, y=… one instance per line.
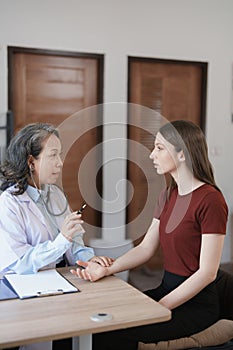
x=37, y=228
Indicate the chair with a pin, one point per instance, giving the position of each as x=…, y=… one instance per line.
x=219, y=335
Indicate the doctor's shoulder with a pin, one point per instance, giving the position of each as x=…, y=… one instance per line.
x=8, y=200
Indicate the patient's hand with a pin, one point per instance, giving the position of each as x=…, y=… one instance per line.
x=92, y=271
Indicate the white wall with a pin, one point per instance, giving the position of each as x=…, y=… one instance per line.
x=196, y=30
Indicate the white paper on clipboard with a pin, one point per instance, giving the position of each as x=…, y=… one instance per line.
x=42, y=283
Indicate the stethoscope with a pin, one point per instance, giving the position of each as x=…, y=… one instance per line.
x=46, y=202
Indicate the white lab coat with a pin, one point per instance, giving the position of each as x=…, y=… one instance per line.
x=23, y=228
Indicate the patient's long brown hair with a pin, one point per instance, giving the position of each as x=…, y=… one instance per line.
x=187, y=136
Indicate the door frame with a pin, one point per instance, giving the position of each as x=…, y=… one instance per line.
x=11, y=50
x=202, y=121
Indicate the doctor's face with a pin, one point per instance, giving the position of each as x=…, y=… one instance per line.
x=48, y=165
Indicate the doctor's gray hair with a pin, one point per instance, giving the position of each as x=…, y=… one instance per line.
x=27, y=142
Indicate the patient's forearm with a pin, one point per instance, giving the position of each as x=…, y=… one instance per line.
x=133, y=258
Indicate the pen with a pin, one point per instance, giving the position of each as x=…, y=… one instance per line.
x=81, y=209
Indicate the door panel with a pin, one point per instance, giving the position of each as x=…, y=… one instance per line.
x=47, y=86
x=175, y=89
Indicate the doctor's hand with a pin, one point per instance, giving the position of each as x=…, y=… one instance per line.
x=92, y=271
x=71, y=225
x=102, y=260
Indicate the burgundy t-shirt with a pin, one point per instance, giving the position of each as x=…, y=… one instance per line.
x=183, y=219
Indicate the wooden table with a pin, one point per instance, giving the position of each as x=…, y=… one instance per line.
x=68, y=315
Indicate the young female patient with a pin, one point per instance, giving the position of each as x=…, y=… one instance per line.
x=190, y=225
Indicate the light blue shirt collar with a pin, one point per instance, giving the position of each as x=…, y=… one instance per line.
x=35, y=194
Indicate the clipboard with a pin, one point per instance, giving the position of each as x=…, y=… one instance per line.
x=41, y=284
x=6, y=290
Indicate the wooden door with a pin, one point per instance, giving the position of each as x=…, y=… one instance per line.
x=176, y=90
x=47, y=86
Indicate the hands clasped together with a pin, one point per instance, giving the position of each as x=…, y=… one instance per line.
x=97, y=266
x=94, y=269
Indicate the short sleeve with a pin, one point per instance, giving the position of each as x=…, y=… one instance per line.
x=213, y=213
